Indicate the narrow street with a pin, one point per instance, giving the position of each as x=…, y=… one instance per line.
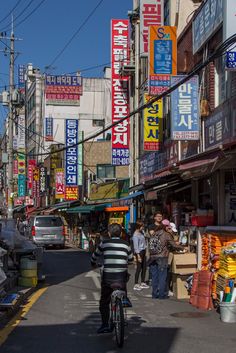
x=65, y=317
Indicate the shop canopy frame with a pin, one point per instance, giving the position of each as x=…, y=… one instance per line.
x=85, y=209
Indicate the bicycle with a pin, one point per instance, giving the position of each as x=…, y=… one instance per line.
x=118, y=314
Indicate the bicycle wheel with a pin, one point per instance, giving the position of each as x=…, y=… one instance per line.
x=119, y=323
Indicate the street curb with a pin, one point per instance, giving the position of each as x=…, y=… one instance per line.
x=8, y=314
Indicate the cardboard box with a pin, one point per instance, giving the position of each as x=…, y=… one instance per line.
x=184, y=264
x=179, y=289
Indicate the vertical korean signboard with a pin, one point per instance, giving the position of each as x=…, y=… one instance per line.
x=152, y=119
x=119, y=92
x=228, y=31
x=71, y=159
x=48, y=129
x=162, y=58
x=60, y=184
x=185, y=109
x=151, y=13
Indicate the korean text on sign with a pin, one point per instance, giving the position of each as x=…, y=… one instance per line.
x=71, y=153
x=151, y=13
x=120, y=98
x=152, y=117
x=185, y=109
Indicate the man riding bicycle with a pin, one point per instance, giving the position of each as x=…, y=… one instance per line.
x=116, y=255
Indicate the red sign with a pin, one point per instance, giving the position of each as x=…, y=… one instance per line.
x=15, y=167
x=71, y=193
x=119, y=94
x=151, y=13
x=31, y=165
x=60, y=183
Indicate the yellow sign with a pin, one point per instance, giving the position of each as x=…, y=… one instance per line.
x=119, y=220
x=104, y=191
x=21, y=162
x=162, y=57
x=153, y=125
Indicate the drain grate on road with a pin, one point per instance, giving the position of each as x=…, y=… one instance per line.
x=189, y=315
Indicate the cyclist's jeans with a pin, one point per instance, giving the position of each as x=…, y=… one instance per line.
x=159, y=276
x=106, y=291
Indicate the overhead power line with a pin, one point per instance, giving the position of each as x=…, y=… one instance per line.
x=75, y=34
x=218, y=52
x=10, y=12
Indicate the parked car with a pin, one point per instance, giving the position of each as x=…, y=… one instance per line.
x=47, y=230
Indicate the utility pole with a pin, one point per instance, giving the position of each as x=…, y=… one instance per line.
x=10, y=128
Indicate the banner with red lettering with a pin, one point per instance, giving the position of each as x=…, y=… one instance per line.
x=31, y=165
x=119, y=92
x=151, y=13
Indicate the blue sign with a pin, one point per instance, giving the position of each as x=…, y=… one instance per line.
x=150, y=163
x=206, y=22
x=163, y=56
x=71, y=153
x=49, y=129
x=21, y=76
x=185, y=109
x=231, y=60
x=120, y=156
x=21, y=185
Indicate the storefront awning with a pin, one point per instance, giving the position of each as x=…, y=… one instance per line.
x=87, y=208
x=198, y=163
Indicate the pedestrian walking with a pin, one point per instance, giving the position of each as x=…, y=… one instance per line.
x=159, y=245
x=139, y=245
x=158, y=217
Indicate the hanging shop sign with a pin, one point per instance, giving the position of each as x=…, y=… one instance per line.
x=71, y=193
x=63, y=90
x=31, y=165
x=29, y=201
x=60, y=183
x=48, y=129
x=150, y=163
x=185, y=123
x=71, y=152
x=228, y=31
x=218, y=128
x=162, y=58
x=80, y=160
x=104, y=191
x=206, y=23
x=21, y=132
x=152, y=129
x=15, y=166
x=42, y=180
x=21, y=161
x=151, y=13
x=21, y=76
x=21, y=185
x=119, y=91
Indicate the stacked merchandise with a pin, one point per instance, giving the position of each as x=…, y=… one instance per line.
x=201, y=293
x=205, y=252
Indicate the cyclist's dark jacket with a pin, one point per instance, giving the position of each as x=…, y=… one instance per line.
x=116, y=254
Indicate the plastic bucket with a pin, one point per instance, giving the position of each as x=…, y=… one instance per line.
x=228, y=312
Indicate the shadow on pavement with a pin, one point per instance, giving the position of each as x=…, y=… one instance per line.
x=82, y=338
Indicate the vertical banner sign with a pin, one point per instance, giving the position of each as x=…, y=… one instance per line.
x=21, y=77
x=162, y=58
x=48, y=129
x=152, y=119
x=119, y=92
x=21, y=172
x=60, y=183
x=151, y=13
x=21, y=132
x=35, y=187
x=229, y=30
x=42, y=180
x=185, y=109
x=80, y=160
x=31, y=165
x=71, y=159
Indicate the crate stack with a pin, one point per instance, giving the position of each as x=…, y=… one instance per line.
x=28, y=271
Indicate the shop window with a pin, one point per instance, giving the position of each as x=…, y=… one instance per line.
x=106, y=171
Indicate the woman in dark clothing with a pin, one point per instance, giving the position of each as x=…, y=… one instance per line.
x=159, y=245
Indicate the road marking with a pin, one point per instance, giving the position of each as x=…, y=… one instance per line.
x=95, y=277
x=14, y=322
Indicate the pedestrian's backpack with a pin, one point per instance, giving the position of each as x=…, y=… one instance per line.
x=155, y=245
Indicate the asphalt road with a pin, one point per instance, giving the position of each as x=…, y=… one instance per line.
x=65, y=318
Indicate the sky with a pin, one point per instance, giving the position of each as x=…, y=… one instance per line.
x=51, y=26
